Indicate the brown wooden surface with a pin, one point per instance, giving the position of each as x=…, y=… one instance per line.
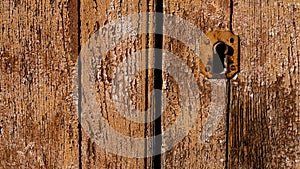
x=94, y=14
x=38, y=50
x=190, y=152
x=264, y=101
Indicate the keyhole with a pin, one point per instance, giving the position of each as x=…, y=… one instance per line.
x=221, y=50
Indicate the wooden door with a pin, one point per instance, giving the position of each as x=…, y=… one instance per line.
x=43, y=85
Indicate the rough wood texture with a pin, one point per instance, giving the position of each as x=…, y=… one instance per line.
x=38, y=56
x=264, y=102
x=95, y=14
x=38, y=49
x=190, y=152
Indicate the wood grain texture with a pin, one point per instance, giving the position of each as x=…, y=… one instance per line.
x=264, y=102
x=38, y=55
x=38, y=50
x=94, y=14
x=190, y=152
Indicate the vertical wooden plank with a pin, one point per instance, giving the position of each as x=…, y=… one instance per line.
x=191, y=152
x=38, y=50
x=95, y=14
x=264, y=109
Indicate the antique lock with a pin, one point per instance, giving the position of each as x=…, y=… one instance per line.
x=224, y=61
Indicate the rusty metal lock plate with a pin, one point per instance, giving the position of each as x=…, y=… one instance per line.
x=226, y=47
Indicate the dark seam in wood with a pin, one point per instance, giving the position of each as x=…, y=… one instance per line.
x=228, y=98
x=79, y=87
x=158, y=80
x=227, y=124
x=146, y=95
x=231, y=16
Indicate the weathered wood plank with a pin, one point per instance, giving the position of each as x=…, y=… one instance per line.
x=94, y=14
x=38, y=50
x=264, y=103
x=191, y=152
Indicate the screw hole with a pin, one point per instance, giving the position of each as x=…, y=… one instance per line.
x=231, y=40
x=206, y=41
x=232, y=68
x=208, y=68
